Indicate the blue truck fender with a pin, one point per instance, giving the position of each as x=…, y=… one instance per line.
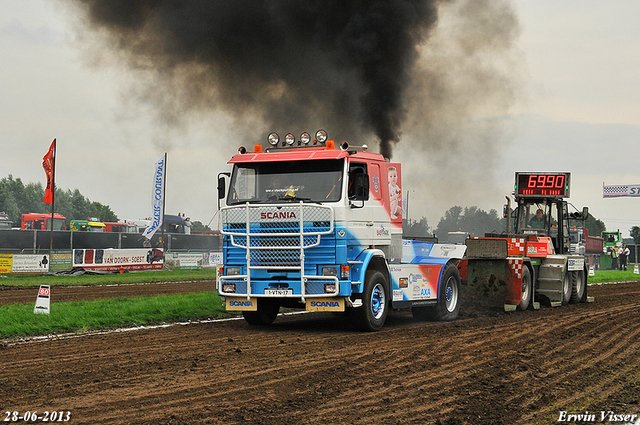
x=362, y=263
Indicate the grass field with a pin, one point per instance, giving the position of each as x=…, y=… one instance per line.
x=603, y=276
x=18, y=320
x=132, y=277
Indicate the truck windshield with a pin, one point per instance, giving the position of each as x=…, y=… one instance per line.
x=291, y=181
x=58, y=224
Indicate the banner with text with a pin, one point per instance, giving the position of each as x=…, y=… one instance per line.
x=113, y=260
x=24, y=263
x=157, y=199
x=616, y=191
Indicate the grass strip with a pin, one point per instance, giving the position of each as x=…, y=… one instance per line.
x=603, y=276
x=81, y=316
x=133, y=277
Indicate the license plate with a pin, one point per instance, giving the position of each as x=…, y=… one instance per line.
x=278, y=292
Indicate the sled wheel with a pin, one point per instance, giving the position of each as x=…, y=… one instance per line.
x=566, y=288
x=578, y=285
x=527, y=290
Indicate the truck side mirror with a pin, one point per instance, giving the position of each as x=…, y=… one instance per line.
x=585, y=213
x=221, y=187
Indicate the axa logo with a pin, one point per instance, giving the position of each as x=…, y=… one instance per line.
x=325, y=304
x=277, y=215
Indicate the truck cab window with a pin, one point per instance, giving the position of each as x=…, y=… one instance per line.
x=357, y=183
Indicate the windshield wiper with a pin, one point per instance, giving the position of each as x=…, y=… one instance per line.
x=289, y=198
x=244, y=201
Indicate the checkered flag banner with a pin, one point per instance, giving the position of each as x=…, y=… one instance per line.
x=621, y=190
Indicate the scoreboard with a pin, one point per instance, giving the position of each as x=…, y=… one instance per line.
x=545, y=185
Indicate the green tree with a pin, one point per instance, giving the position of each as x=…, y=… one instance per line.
x=472, y=219
x=199, y=227
x=595, y=226
x=16, y=199
x=412, y=228
x=104, y=212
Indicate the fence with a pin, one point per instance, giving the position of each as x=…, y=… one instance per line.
x=39, y=241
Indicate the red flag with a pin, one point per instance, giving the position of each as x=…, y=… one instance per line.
x=48, y=163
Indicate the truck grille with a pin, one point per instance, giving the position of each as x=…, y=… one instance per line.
x=277, y=236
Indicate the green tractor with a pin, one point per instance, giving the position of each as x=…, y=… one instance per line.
x=612, y=242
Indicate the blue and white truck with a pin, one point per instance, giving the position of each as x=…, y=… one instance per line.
x=311, y=225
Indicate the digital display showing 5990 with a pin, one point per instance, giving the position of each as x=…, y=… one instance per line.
x=554, y=185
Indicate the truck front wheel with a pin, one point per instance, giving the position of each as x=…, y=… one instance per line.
x=265, y=315
x=375, y=303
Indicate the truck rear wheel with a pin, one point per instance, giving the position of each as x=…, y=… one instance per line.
x=265, y=315
x=578, y=285
x=375, y=303
x=526, y=289
x=448, y=298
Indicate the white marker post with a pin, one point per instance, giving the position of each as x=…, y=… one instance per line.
x=43, y=301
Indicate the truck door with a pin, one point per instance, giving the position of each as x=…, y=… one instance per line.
x=359, y=212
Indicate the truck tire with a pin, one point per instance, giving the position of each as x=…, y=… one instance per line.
x=566, y=288
x=527, y=289
x=578, y=285
x=375, y=302
x=265, y=315
x=448, y=298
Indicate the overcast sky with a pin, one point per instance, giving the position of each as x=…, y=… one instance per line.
x=579, y=111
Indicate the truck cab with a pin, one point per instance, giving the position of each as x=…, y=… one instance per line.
x=5, y=221
x=310, y=225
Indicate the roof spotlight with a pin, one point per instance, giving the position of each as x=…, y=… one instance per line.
x=305, y=138
x=242, y=150
x=321, y=136
x=344, y=146
x=290, y=139
x=273, y=139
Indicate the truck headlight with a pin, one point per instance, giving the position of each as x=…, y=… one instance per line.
x=321, y=136
x=273, y=139
x=233, y=271
x=330, y=288
x=330, y=271
x=289, y=139
x=229, y=288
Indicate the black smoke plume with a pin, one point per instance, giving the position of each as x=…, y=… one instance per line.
x=343, y=65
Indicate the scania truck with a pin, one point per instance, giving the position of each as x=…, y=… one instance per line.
x=310, y=224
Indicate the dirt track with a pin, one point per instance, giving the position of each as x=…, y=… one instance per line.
x=489, y=368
